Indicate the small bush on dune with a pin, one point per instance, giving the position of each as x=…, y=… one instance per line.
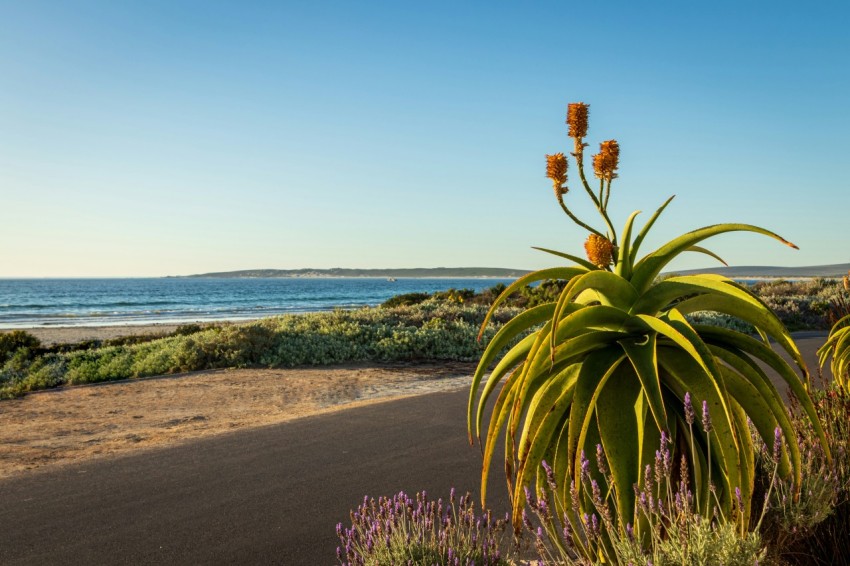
x=405, y=300
x=11, y=342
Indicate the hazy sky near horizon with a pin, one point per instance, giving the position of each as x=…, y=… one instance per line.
x=175, y=137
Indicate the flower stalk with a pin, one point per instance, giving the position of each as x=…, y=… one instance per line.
x=605, y=165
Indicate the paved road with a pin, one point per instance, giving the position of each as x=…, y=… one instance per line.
x=263, y=496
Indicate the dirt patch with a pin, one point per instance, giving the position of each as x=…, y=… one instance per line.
x=56, y=427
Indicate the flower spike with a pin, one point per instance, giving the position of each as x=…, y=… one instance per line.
x=600, y=250
x=605, y=162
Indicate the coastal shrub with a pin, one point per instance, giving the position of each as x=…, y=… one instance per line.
x=187, y=329
x=402, y=530
x=433, y=330
x=14, y=340
x=813, y=528
x=613, y=362
x=44, y=373
x=405, y=300
x=800, y=305
x=454, y=295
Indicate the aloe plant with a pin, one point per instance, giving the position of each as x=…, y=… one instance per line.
x=838, y=346
x=613, y=359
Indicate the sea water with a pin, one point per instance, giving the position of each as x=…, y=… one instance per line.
x=26, y=303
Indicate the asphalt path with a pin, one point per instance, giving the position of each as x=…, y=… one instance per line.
x=271, y=495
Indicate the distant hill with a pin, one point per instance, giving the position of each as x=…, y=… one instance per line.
x=758, y=271
x=442, y=272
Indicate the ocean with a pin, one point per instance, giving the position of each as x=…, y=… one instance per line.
x=27, y=303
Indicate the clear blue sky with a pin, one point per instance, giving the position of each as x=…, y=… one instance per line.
x=174, y=137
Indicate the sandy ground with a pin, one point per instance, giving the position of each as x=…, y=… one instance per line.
x=50, y=335
x=52, y=428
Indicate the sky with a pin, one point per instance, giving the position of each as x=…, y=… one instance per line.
x=178, y=137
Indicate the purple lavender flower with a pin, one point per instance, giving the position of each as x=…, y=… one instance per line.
x=543, y=507
x=585, y=466
x=526, y=521
x=739, y=498
x=600, y=461
x=550, y=475
x=777, y=444
x=706, y=418
x=596, y=492
x=689, y=409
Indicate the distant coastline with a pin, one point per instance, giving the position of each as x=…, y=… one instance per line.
x=770, y=272
x=409, y=273
x=758, y=272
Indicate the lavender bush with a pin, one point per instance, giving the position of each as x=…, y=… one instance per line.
x=669, y=528
x=814, y=528
x=418, y=531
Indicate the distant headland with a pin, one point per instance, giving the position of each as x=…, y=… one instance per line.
x=423, y=272
x=837, y=270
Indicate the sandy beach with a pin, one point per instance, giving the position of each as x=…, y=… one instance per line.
x=50, y=335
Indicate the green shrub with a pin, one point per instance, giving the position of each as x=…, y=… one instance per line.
x=187, y=329
x=12, y=341
x=405, y=300
x=434, y=330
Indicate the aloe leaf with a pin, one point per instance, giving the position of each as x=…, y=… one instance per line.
x=670, y=332
x=570, y=351
x=542, y=439
x=595, y=372
x=671, y=290
x=842, y=346
x=685, y=375
x=500, y=413
x=642, y=234
x=763, y=353
x=746, y=463
x=620, y=439
x=566, y=273
x=645, y=363
x=503, y=337
x=753, y=390
x=618, y=291
x=590, y=319
x=581, y=261
x=542, y=404
x=756, y=315
x=624, y=267
x=650, y=267
x=839, y=325
x=506, y=364
x=701, y=250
